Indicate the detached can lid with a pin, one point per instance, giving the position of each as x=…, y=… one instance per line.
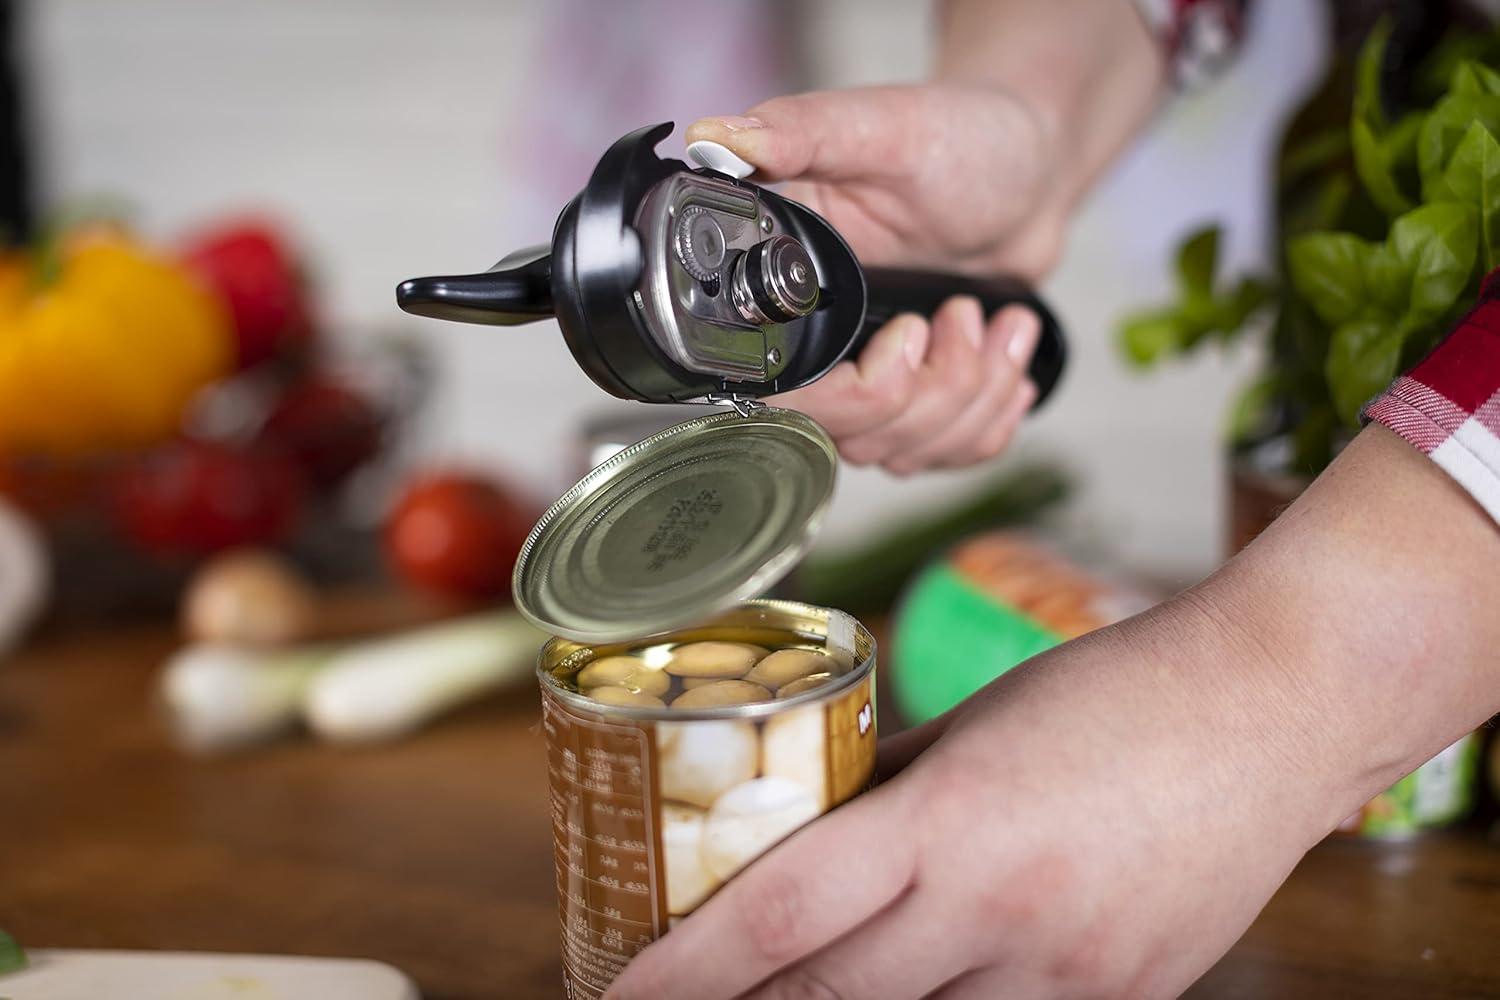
x=673, y=529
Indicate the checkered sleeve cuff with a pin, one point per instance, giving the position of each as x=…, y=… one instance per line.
x=1448, y=406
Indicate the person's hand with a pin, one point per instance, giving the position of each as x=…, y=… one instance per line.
x=937, y=176
x=1083, y=828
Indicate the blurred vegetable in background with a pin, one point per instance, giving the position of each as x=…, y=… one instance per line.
x=12, y=958
x=103, y=341
x=991, y=603
x=250, y=597
x=1386, y=225
x=197, y=497
x=457, y=535
x=867, y=578
x=326, y=427
x=250, y=265
x=222, y=696
x=24, y=575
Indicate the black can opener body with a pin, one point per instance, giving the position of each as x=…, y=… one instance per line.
x=674, y=284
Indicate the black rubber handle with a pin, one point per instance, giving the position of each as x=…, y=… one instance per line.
x=501, y=296
x=891, y=291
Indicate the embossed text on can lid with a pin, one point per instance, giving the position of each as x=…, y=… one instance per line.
x=677, y=527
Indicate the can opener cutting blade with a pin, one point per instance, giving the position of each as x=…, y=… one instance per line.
x=675, y=284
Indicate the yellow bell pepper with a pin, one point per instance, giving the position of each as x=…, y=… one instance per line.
x=105, y=353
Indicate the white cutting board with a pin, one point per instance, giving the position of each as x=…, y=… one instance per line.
x=65, y=974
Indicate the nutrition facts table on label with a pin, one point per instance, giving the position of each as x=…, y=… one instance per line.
x=604, y=844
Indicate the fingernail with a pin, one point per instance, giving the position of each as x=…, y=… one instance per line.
x=974, y=335
x=914, y=343
x=739, y=123
x=967, y=312
x=1025, y=331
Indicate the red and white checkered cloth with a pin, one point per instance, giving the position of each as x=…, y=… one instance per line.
x=1448, y=406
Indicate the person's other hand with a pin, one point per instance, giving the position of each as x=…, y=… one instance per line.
x=1082, y=828
x=938, y=176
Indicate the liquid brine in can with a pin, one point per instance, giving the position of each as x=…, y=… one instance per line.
x=658, y=799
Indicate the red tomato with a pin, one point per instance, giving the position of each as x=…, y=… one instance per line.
x=457, y=535
x=253, y=270
x=199, y=497
x=327, y=428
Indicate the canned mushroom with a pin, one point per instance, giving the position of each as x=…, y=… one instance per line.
x=677, y=760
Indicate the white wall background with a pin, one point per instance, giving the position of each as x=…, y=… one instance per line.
x=391, y=135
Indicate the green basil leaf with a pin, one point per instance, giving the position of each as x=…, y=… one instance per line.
x=1434, y=74
x=1369, y=67
x=1234, y=310
x=1197, y=260
x=1471, y=77
x=1362, y=359
x=1313, y=440
x=1313, y=153
x=1373, y=165
x=1250, y=411
x=1489, y=79
x=1473, y=178
x=1400, y=141
x=12, y=958
x=1436, y=246
x=1388, y=281
x=1444, y=128
x=1149, y=336
x=1328, y=270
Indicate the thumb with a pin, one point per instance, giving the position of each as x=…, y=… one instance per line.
x=831, y=135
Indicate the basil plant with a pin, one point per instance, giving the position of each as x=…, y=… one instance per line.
x=1386, y=226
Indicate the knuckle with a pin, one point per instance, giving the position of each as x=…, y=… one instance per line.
x=1086, y=964
x=800, y=984
x=863, y=451
x=992, y=445
x=1042, y=250
x=1026, y=903
x=990, y=449
x=887, y=397
x=1005, y=379
x=774, y=917
x=965, y=376
x=901, y=468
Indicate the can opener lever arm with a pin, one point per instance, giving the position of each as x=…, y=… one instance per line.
x=518, y=289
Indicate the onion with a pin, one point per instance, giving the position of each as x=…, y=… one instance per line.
x=381, y=689
x=249, y=597
x=24, y=575
x=221, y=697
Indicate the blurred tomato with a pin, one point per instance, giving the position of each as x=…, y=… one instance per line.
x=254, y=271
x=326, y=427
x=48, y=490
x=457, y=535
x=196, y=497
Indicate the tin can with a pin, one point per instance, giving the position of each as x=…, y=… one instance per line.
x=1439, y=792
x=653, y=809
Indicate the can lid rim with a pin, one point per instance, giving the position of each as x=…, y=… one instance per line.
x=815, y=464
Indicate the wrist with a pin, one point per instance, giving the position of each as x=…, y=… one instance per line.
x=1371, y=601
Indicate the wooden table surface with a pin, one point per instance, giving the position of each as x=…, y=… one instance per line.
x=433, y=854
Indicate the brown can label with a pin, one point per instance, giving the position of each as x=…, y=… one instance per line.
x=650, y=818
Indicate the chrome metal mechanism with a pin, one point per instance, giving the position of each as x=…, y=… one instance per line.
x=715, y=294
x=775, y=282
x=743, y=405
x=699, y=242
